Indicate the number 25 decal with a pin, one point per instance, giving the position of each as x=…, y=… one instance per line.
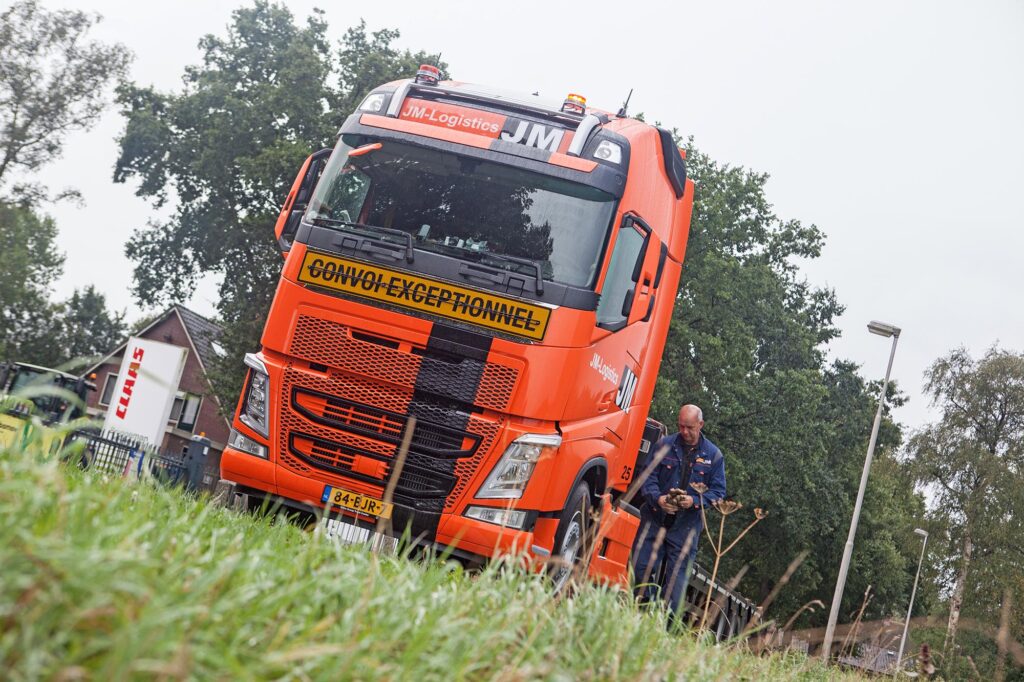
x=626, y=473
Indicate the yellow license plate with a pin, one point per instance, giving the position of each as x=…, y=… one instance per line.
x=362, y=504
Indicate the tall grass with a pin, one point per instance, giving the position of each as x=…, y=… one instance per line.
x=108, y=579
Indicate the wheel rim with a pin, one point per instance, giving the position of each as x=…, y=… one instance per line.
x=568, y=552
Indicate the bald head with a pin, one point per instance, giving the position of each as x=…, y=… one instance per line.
x=691, y=421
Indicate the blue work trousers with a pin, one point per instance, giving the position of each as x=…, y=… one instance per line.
x=667, y=569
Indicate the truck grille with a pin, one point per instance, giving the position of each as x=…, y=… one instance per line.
x=350, y=462
x=345, y=430
x=366, y=420
x=473, y=382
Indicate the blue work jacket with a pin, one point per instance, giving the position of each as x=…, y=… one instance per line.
x=707, y=466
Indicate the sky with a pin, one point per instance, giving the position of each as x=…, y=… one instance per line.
x=895, y=127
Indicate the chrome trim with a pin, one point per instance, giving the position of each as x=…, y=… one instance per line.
x=398, y=98
x=253, y=360
x=582, y=134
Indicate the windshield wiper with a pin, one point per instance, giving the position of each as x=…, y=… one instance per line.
x=466, y=270
x=371, y=243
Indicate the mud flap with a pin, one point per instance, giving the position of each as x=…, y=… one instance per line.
x=609, y=562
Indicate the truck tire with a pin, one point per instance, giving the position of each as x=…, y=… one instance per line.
x=569, y=537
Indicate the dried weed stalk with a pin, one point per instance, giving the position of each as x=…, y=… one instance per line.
x=724, y=508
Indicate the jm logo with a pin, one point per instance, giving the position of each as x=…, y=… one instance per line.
x=535, y=135
x=626, y=389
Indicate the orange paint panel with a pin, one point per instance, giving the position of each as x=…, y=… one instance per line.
x=573, y=162
x=563, y=146
x=369, y=467
x=426, y=130
x=248, y=470
x=452, y=117
x=614, y=540
x=481, y=538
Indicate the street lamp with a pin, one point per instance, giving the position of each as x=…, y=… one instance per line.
x=906, y=624
x=882, y=329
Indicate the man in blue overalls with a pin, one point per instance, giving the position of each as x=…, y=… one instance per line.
x=672, y=505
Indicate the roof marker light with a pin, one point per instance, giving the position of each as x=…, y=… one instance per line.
x=574, y=104
x=428, y=74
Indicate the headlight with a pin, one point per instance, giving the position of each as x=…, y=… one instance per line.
x=255, y=406
x=240, y=441
x=509, y=518
x=510, y=475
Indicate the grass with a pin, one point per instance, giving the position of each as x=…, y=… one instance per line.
x=109, y=579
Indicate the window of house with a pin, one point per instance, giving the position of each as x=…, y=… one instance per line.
x=108, y=388
x=185, y=411
x=179, y=402
x=189, y=412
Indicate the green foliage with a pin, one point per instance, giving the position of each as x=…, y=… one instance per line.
x=746, y=344
x=972, y=461
x=108, y=580
x=30, y=262
x=53, y=81
x=225, y=151
x=32, y=328
x=88, y=330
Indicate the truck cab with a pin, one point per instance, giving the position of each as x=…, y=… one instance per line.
x=499, y=267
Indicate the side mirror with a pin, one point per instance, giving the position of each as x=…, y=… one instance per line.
x=298, y=198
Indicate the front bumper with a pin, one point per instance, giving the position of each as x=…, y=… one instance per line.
x=469, y=539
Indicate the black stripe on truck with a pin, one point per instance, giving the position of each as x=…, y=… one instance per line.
x=446, y=386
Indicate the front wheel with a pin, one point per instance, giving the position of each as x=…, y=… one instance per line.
x=569, y=537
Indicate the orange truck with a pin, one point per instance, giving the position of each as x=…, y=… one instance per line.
x=503, y=269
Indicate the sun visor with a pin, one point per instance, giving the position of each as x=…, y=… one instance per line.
x=675, y=166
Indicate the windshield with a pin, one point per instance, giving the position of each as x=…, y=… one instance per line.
x=52, y=406
x=467, y=208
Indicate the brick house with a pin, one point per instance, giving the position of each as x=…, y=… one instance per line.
x=196, y=410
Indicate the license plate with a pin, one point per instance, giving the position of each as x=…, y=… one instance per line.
x=338, y=530
x=355, y=502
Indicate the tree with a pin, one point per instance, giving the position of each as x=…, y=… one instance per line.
x=32, y=328
x=30, y=263
x=87, y=328
x=52, y=81
x=972, y=461
x=746, y=343
x=227, y=148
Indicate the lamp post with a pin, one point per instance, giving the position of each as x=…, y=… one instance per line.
x=906, y=623
x=887, y=330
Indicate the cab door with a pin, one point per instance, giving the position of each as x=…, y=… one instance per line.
x=628, y=293
x=298, y=198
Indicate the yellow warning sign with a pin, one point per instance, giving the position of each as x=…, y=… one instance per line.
x=428, y=295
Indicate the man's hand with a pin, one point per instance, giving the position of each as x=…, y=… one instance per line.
x=667, y=506
x=680, y=500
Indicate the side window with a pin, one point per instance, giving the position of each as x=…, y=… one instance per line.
x=617, y=295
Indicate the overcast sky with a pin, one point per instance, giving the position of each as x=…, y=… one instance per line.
x=895, y=127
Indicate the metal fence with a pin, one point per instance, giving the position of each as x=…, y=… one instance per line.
x=120, y=454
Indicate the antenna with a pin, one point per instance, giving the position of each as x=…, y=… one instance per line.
x=625, y=105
